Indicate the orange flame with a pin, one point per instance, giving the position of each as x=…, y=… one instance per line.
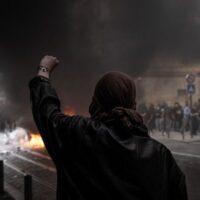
x=35, y=142
x=69, y=111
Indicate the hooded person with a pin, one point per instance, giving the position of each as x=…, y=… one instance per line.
x=108, y=155
x=114, y=103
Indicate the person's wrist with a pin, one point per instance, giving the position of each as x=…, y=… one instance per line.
x=43, y=71
x=43, y=68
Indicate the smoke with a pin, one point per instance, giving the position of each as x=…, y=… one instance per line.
x=91, y=37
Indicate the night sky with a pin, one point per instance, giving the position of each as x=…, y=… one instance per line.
x=90, y=37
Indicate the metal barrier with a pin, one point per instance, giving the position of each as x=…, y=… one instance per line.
x=1, y=177
x=27, y=180
x=28, y=187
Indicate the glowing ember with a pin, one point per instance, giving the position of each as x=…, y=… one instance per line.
x=69, y=111
x=35, y=141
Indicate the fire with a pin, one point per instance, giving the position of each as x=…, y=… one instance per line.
x=69, y=111
x=20, y=137
x=35, y=142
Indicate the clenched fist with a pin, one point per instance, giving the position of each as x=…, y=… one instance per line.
x=47, y=64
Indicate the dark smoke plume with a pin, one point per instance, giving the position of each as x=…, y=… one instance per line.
x=91, y=37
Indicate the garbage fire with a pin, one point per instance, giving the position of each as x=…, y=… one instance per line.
x=34, y=142
x=21, y=138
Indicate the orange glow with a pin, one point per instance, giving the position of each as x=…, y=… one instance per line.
x=69, y=111
x=35, y=142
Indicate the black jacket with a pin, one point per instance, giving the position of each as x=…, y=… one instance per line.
x=93, y=162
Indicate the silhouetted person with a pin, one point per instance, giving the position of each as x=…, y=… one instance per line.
x=194, y=120
x=151, y=118
x=178, y=117
x=158, y=118
x=142, y=109
x=109, y=155
x=166, y=117
x=186, y=117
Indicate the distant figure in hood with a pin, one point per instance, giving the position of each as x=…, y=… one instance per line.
x=108, y=155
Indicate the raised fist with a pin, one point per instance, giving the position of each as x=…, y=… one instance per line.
x=49, y=62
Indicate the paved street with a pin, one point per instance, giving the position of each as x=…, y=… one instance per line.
x=188, y=158
x=19, y=162
x=187, y=155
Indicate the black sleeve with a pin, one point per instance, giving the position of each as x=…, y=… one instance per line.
x=54, y=126
x=176, y=179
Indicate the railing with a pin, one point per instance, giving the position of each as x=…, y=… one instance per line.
x=1, y=178
x=26, y=177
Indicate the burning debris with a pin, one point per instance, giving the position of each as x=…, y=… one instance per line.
x=35, y=141
x=23, y=139
x=14, y=136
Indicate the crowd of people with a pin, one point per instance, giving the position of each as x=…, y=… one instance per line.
x=167, y=119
